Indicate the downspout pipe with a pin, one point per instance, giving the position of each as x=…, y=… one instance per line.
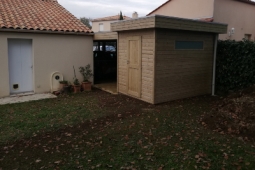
x=214, y=63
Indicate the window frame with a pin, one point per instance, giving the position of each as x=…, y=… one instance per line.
x=191, y=48
x=101, y=24
x=248, y=37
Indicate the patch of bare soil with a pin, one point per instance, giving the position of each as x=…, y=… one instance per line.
x=234, y=115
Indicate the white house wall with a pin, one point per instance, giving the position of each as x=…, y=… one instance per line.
x=191, y=9
x=238, y=15
x=107, y=26
x=51, y=53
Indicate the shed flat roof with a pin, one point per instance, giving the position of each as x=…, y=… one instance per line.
x=160, y=21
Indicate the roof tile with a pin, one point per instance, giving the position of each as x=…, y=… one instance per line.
x=38, y=15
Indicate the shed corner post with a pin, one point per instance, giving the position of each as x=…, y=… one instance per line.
x=214, y=63
x=118, y=62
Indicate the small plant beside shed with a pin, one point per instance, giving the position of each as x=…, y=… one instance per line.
x=86, y=72
x=62, y=84
x=76, y=83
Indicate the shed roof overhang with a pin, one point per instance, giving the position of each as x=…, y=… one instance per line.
x=160, y=21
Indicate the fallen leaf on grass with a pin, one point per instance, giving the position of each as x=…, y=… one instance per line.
x=68, y=134
x=38, y=160
x=247, y=163
x=201, y=154
x=57, y=162
x=126, y=137
x=109, y=166
x=225, y=156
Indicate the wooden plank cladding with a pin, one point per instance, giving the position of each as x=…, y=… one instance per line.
x=147, y=62
x=176, y=57
x=182, y=73
x=134, y=24
x=159, y=21
x=106, y=36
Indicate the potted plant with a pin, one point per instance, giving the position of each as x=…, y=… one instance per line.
x=67, y=88
x=62, y=84
x=86, y=73
x=76, y=83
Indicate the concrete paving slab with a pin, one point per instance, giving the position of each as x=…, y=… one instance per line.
x=108, y=87
x=25, y=98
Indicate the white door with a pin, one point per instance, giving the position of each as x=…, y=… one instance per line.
x=20, y=66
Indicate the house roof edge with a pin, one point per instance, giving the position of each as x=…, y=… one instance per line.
x=44, y=32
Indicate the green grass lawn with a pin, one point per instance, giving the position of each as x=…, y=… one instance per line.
x=100, y=131
x=26, y=119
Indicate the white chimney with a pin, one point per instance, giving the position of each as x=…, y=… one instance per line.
x=135, y=15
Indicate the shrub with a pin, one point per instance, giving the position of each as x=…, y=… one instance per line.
x=235, y=67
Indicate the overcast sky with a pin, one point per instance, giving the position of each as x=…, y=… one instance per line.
x=102, y=8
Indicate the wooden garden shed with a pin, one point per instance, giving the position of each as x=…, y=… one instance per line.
x=164, y=58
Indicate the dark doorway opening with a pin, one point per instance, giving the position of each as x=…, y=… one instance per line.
x=105, y=64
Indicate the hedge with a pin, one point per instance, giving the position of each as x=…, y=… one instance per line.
x=235, y=68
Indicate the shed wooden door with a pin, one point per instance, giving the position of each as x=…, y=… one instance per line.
x=134, y=66
x=20, y=65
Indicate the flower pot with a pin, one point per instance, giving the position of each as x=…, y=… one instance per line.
x=61, y=86
x=67, y=89
x=86, y=86
x=76, y=88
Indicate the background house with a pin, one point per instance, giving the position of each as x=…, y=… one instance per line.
x=104, y=24
x=105, y=52
x=236, y=13
x=39, y=38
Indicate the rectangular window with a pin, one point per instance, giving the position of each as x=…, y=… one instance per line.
x=110, y=46
x=247, y=37
x=101, y=27
x=95, y=46
x=189, y=45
